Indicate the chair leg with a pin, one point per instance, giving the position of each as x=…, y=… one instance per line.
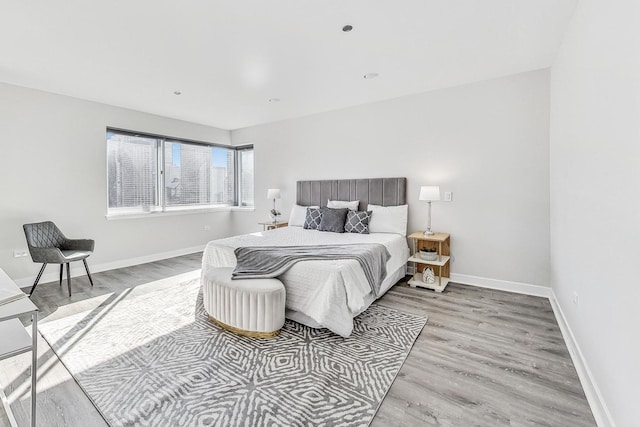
x=86, y=267
x=37, y=279
x=69, y=280
x=61, y=271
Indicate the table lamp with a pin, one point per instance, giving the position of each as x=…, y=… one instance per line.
x=274, y=193
x=429, y=194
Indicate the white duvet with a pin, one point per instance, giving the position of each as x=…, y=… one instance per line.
x=319, y=293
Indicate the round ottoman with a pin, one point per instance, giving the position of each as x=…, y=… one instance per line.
x=251, y=307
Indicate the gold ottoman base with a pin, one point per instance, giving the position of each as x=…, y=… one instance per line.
x=252, y=334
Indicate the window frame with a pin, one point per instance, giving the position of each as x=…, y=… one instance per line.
x=237, y=172
x=161, y=208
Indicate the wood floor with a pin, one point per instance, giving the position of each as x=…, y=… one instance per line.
x=485, y=358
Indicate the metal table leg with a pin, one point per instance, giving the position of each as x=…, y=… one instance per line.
x=34, y=365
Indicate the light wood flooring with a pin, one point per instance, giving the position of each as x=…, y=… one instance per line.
x=485, y=358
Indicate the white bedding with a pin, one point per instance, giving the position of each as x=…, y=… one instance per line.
x=330, y=293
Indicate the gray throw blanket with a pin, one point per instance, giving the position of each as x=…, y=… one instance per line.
x=260, y=262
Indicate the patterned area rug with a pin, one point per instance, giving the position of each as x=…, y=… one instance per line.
x=151, y=357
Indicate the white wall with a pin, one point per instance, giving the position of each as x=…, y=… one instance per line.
x=54, y=168
x=595, y=207
x=487, y=142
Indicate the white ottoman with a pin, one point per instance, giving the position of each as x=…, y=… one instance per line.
x=251, y=307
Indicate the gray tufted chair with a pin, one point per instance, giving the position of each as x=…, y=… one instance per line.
x=48, y=245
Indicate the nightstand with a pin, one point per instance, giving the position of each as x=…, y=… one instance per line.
x=15, y=339
x=273, y=225
x=439, y=241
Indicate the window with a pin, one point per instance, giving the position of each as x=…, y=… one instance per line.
x=133, y=171
x=148, y=173
x=198, y=174
x=245, y=176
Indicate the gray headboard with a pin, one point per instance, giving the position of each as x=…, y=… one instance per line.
x=379, y=191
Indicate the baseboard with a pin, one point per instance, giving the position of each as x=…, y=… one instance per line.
x=502, y=285
x=594, y=397
x=77, y=269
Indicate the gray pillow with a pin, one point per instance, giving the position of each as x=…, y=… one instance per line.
x=357, y=222
x=313, y=218
x=333, y=220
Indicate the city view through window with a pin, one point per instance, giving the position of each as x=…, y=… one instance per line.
x=154, y=174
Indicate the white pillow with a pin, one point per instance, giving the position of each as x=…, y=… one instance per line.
x=339, y=204
x=298, y=215
x=388, y=219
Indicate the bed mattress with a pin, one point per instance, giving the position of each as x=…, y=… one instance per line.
x=319, y=293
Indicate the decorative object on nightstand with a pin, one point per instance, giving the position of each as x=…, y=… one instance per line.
x=273, y=225
x=274, y=193
x=428, y=276
x=429, y=194
x=428, y=254
x=438, y=244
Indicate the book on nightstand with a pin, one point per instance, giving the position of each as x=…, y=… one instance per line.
x=10, y=292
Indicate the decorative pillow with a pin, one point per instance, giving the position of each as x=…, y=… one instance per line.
x=388, y=219
x=313, y=218
x=333, y=220
x=298, y=215
x=338, y=204
x=357, y=222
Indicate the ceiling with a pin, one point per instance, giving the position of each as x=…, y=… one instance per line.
x=228, y=58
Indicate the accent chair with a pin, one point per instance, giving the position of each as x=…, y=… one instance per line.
x=48, y=245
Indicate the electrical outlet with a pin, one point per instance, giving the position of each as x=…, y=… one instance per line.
x=207, y=228
x=575, y=298
x=18, y=253
x=447, y=196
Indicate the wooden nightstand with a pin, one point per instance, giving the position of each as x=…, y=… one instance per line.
x=440, y=241
x=272, y=225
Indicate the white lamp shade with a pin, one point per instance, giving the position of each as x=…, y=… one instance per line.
x=273, y=193
x=430, y=193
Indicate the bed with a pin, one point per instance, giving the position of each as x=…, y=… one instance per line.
x=327, y=293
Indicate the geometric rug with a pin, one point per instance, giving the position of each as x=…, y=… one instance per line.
x=151, y=357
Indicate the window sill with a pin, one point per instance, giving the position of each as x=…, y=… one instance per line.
x=172, y=212
x=243, y=208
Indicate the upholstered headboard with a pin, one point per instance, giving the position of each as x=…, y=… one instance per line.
x=378, y=191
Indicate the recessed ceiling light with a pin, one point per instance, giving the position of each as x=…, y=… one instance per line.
x=370, y=76
x=347, y=28
x=274, y=99
x=177, y=92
